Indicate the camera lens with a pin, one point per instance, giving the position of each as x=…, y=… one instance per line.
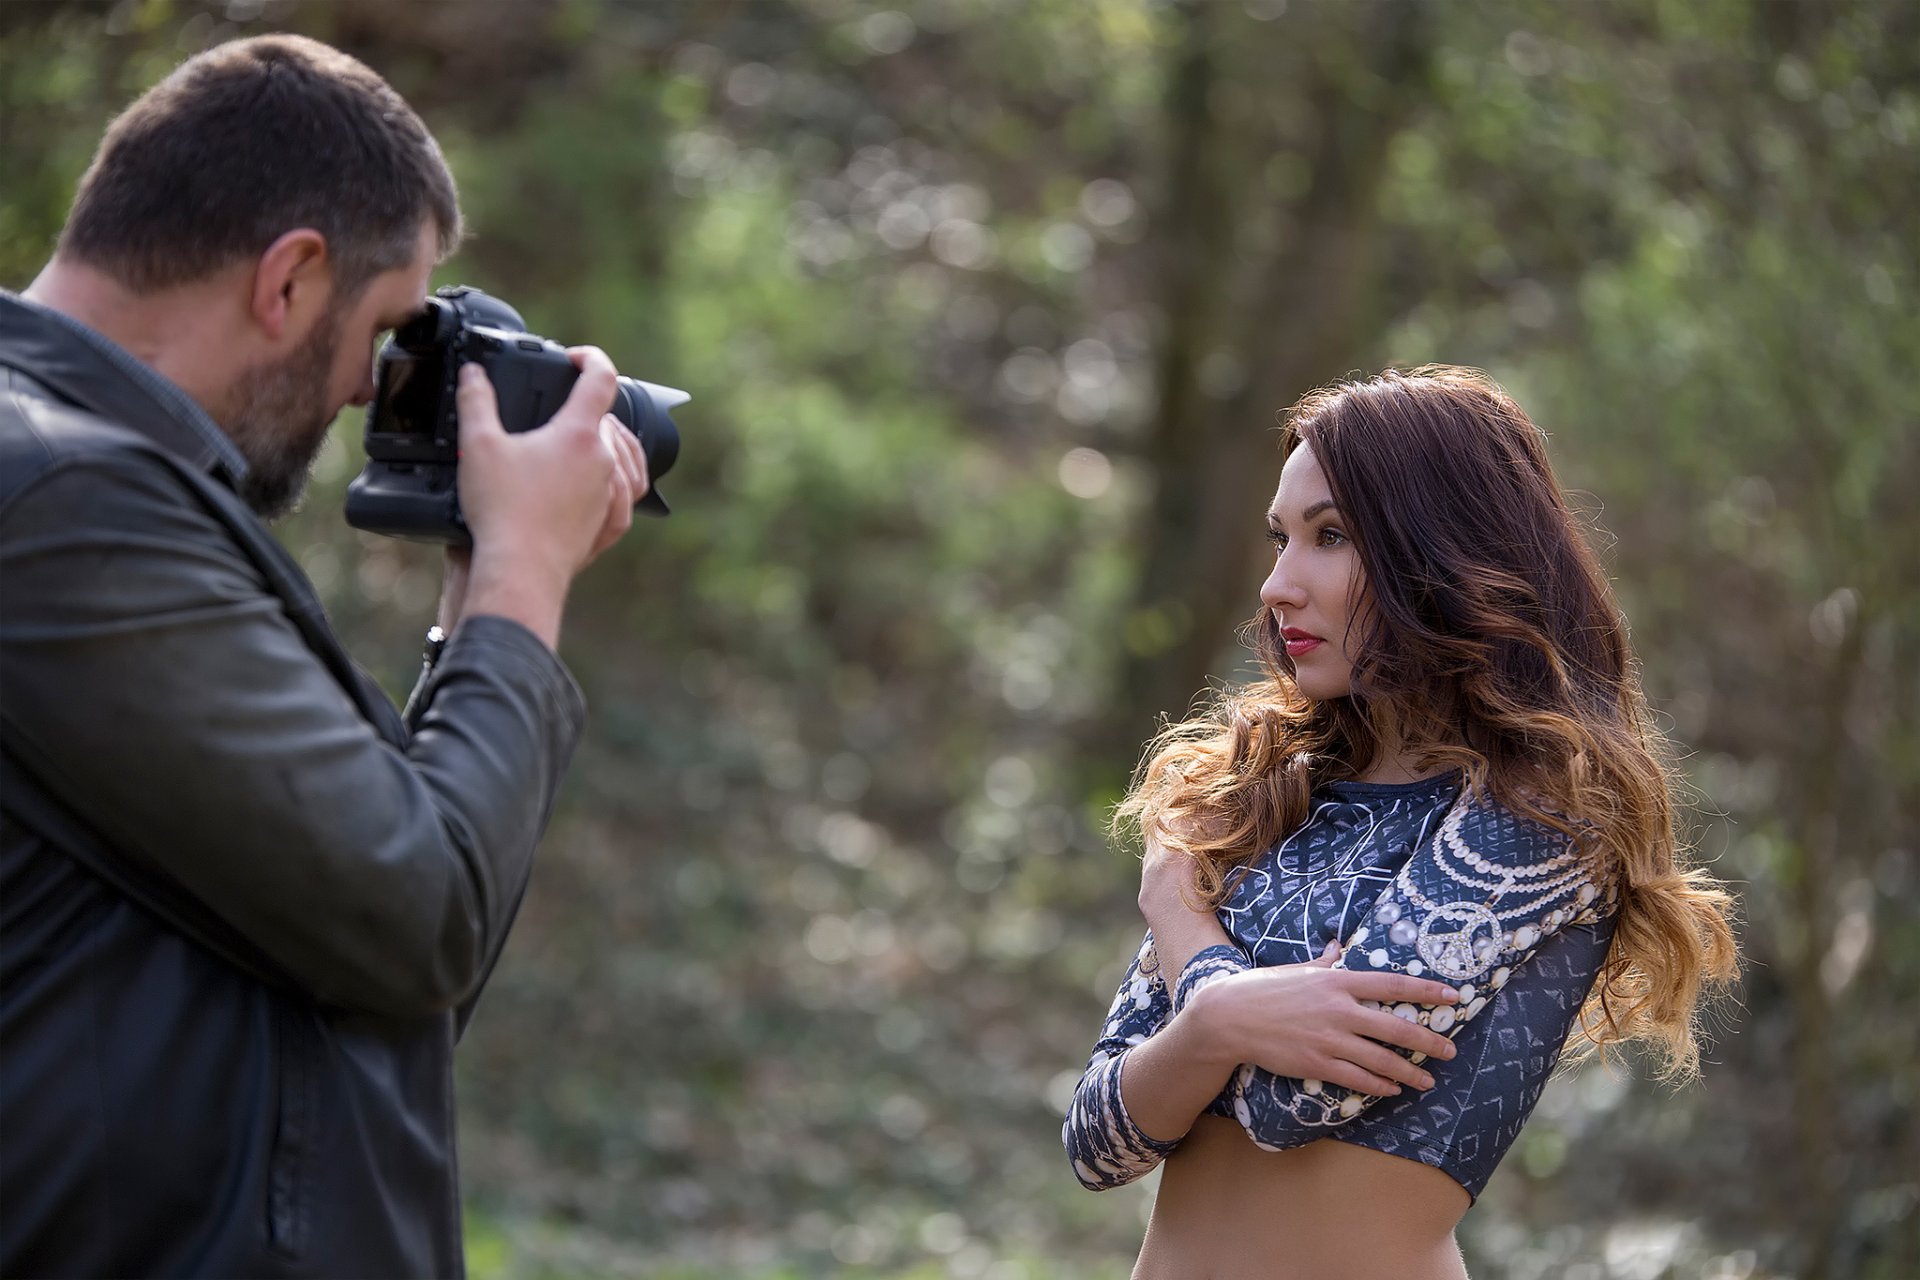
x=642, y=409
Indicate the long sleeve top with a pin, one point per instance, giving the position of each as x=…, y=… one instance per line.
x=1419, y=878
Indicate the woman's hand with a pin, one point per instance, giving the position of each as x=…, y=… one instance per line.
x=1179, y=930
x=1314, y=1022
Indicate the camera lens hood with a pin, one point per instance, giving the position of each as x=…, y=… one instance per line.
x=643, y=407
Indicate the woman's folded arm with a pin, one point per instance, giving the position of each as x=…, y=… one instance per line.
x=1469, y=908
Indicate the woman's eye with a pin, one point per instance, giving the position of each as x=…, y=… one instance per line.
x=1278, y=539
x=1331, y=537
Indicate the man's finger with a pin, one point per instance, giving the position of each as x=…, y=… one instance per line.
x=620, y=497
x=477, y=409
x=626, y=450
x=621, y=470
x=619, y=519
x=641, y=481
x=592, y=395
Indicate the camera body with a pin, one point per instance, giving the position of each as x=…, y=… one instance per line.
x=409, y=488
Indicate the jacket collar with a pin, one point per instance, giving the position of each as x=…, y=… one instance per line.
x=91, y=371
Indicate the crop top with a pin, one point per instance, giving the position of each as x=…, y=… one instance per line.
x=1423, y=878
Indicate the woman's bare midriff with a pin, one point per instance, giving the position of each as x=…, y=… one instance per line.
x=1227, y=1210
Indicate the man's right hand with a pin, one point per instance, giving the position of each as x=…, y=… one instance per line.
x=542, y=504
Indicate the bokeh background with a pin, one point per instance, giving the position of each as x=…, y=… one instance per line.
x=987, y=307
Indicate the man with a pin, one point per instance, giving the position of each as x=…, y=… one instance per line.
x=245, y=906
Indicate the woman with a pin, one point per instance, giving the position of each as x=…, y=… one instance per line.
x=1385, y=884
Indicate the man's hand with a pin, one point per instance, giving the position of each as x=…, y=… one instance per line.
x=628, y=483
x=542, y=504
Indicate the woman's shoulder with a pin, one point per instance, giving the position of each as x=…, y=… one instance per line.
x=1529, y=844
x=1528, y=821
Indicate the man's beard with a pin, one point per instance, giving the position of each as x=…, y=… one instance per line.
x=278, y=419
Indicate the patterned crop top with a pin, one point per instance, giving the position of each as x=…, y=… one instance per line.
x=1418, y=878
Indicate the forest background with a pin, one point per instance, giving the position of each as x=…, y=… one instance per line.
x=987, y=308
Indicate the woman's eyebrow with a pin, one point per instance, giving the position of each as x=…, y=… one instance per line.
x=1325, y=504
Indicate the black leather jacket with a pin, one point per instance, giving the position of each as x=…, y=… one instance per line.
x=245, y=905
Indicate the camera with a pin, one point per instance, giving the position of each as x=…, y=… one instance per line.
x=408, y=488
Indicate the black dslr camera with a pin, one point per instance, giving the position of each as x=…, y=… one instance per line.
x=413, y=434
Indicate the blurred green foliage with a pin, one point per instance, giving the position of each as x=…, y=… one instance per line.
x=987, y=308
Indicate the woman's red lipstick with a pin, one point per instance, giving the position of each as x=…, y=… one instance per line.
x=1299, y=642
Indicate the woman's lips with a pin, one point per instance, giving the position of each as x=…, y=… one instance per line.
x=1299, y=642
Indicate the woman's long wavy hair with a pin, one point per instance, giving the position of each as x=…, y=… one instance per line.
x=1489, y=642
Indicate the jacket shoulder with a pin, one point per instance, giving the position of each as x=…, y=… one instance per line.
x=41, y=436
x=39, y=433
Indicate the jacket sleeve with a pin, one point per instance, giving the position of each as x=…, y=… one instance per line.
x=158, y=688
x=1470, y=908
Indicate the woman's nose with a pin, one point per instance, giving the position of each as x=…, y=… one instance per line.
x=1281, y=590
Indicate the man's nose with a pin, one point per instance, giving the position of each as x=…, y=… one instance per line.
x=363, y=394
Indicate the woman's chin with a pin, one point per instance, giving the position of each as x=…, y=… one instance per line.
x=1319, y=687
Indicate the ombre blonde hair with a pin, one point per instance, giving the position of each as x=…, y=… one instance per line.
x=1490, y=642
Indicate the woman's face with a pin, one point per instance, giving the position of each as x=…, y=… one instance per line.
x=1317, y=586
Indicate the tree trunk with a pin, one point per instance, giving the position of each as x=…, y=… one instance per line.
x=1213, y=460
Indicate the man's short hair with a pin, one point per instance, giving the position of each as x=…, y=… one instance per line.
x=248, y=141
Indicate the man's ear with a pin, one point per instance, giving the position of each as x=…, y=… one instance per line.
x=292, y=284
